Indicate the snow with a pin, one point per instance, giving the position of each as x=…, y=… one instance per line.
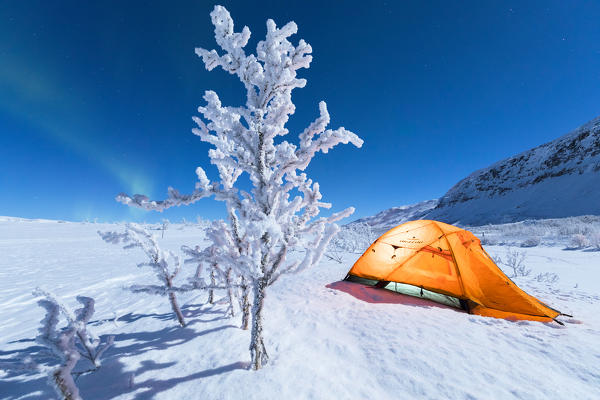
x=327, y=339
x=547, y=232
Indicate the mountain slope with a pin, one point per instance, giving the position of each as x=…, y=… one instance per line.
x=394, y=216
x=557, y=179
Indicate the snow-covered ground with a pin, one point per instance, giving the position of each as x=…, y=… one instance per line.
x=327, y=339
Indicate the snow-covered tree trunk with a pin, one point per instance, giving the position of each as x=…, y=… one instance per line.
x=245, y=304
x=211, y=292
x=258, y=351
x=280, y=211
x=165, y=224
x=63, y=380
x=230, y=296
x=219, y=279
x=174, y=303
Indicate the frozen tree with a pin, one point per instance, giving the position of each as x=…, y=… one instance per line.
x=335, y=251
x=515, y=260
x=352, y=238
x=164, y=225
x=71, y=343
x=280, y=211
x=548, y=277
x=579, y=241
x=218, y=280
x=595, y=240
x=365, y=232
x=531, y=242
x=166, y=264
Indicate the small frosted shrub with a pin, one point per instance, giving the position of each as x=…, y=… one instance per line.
x=579, y=241
x=595, y=240
x=548, y=277
x=165, y=264
x=515, y=260
x=488, y=241
x=70, y=343
x=531, y=242
x=353, y=238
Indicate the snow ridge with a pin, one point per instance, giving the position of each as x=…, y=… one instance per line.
x=557, y=179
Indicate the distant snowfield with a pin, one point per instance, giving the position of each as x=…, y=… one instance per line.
x=326, y=340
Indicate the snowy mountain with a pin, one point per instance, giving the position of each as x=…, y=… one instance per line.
x=557, y=179
x=391, y=217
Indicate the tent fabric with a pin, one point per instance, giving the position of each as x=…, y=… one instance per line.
x=445, y=259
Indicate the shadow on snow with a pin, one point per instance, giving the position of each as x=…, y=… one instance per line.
x=112, y=379
x=371, y=294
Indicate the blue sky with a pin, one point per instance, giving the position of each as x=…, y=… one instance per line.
x=97, y=99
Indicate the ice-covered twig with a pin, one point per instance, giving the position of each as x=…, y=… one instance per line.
x=219, y=279
x=70, y=343
x=515, y=260
x=165, y=264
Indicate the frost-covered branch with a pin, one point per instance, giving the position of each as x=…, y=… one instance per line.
x=165, y=264
x=220, y=279
x=70, y=343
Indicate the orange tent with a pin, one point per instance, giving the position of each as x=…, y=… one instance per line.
x=447, y=260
